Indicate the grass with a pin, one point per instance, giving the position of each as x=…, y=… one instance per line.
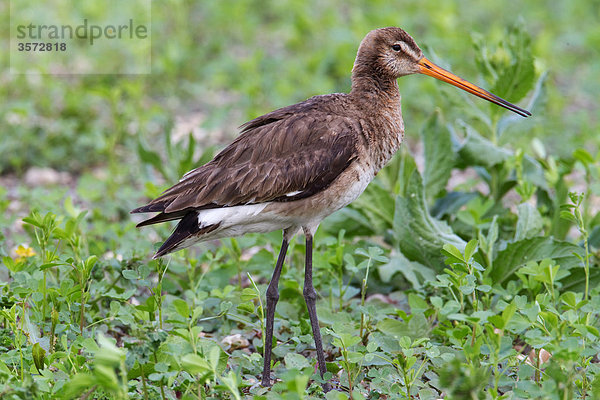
x=472, y=276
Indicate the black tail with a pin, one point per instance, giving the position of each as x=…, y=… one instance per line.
x=152, y=207
x=163, y=217
x=188, y=227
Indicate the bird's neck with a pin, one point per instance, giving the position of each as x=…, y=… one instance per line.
x=378, y=98
x=373, y=90
x=372, y=86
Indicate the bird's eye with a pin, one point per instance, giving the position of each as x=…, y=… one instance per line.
x=397, y=47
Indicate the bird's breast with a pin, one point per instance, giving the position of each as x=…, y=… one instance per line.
x=385, y=137
x=343, y=191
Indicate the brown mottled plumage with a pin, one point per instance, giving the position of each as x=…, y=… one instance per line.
x=263, y=164
x=294, y=166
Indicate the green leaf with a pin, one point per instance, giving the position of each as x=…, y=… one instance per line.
x=536, y=98
x=451, y=203
x=417, y=327
x=439, y=156
x=335, y=395
x=186, y=162
x=217, y=358
x=182, y=308
x=467, y=289
x=492, y=236
x=129, y=274
x=194, y=364
x=231, y=382
x=374, y=210
x=549, y=271
x=534, y=173
x=246, y=307
x=477, y=150
x=508, y=313
x=564, y=214
x=417, y=303
x=484, y=288
x=497, y=321
x=11, y=264
x=214, y=356
x=530, y=222
x=150, y=157
x=516, y=79
x=34, y=220
x=39, y=354
x=355, y=357
x=583, y=156
x=415, y=273
x=570, y=299
x=108, y=354
x=436, y=301
x=248, y=294
x=452, y=252
x=50, y=265
x=89, y=263
x=517, y=254
x=349, y=340
x=576, y=279
x=419, y=236
x=372, y=347
x=594, y=239
x=470, y=248
x=77, y=384
x=295, y=360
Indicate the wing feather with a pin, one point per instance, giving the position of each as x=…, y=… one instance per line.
x=286, y=151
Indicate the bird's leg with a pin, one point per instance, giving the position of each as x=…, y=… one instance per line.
x=310, y=295
x=272, y=298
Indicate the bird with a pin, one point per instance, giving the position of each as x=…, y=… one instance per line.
x=292, y=167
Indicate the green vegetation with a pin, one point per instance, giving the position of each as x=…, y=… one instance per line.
x=473, y=276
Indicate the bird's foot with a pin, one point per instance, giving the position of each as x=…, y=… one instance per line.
x=324, y=384
x=266, y=382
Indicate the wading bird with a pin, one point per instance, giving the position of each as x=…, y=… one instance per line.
x=294, y=166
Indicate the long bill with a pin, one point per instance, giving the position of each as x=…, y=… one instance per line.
x=428, y=68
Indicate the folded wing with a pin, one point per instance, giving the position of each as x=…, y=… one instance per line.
x=282, y=156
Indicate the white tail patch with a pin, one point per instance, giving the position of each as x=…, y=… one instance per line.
x=228, y=216
x=291, y=194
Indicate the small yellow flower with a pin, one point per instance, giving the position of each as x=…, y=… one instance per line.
x=24, y=252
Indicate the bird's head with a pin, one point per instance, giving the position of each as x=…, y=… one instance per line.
x=389, y=53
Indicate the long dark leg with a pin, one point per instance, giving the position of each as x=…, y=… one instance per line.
x=310, y=295
x=272, y=298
